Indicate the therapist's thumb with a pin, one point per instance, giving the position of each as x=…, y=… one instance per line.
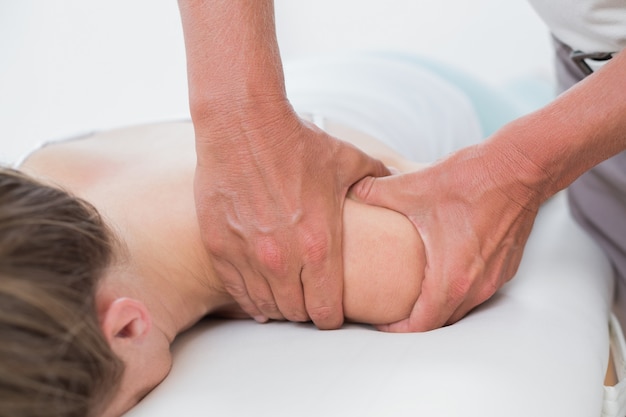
x=375, y=191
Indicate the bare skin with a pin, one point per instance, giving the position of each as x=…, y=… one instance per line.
x=163, y=281
x=490, y=194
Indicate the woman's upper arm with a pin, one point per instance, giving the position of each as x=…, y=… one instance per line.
x=384, y=264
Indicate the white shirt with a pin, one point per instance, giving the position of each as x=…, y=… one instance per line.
x=397, y=100
x=586, y=25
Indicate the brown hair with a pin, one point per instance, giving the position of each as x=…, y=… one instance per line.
x=54, y=359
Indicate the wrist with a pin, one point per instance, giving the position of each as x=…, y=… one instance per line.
x=241, y=128
x=250, y=94
x=521, y=161
x=582, y=127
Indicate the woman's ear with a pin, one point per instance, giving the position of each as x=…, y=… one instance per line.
x=125, y=322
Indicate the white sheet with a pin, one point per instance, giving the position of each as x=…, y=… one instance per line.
x=538, y=348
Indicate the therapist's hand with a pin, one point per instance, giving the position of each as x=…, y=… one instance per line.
x=269, y=197
x=474, y=215
x=269, y=188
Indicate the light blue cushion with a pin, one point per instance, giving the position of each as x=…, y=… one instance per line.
x=495, y=106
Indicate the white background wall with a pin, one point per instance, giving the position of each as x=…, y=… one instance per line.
x=70, y=66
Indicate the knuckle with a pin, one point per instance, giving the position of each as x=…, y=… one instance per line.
x=458, y=289
x=270, y=254
x=237, y=291
x=316, y=247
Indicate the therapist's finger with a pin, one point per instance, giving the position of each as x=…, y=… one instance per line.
x=280, y=292
x=262, y=295
x=501, y=271
x=431, y=311
x=322, y=279
x=444, y=289
x=236, y=287
x=435, y=304
x=470, y=303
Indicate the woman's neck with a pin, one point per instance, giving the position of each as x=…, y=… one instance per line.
x=180, y=286
x=178, y=292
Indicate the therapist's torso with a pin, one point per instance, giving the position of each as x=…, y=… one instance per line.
x=586, y=25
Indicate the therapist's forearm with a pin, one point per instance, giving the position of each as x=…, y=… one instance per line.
x=233, y=60
x=550, y=148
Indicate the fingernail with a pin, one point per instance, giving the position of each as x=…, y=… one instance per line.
x=260, y=319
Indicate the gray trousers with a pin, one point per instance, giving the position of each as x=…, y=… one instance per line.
x=598, y=198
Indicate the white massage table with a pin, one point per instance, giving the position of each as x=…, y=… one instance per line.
x=539, y=347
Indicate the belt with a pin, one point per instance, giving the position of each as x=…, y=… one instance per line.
x=590, y=62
